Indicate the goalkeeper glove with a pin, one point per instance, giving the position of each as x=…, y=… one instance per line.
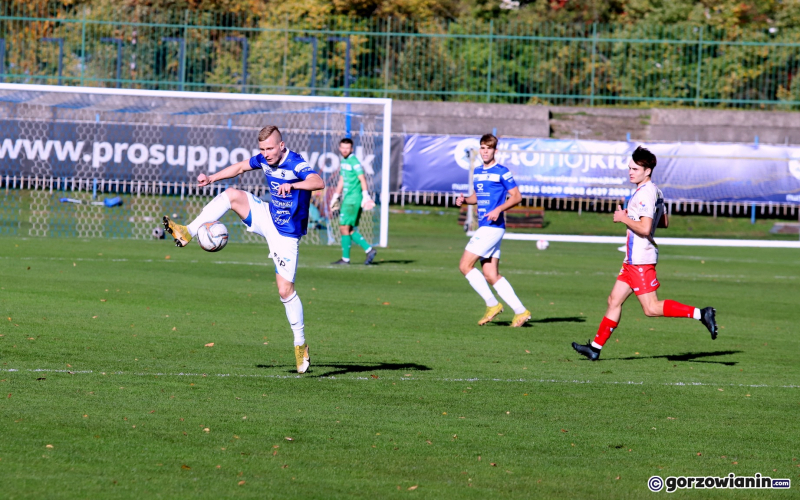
x=366, y=200
x=335, y=203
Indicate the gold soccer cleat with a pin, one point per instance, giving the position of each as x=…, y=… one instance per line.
x=521, y=319
x=490, y=314
x=178, y=232
x=301, y=356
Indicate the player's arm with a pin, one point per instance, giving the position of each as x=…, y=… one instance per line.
x=337, y=192
x=226, y=173
x=468, y=200
x=312, y=182
x=641, y=227
x=367, y=203
x=514, y=197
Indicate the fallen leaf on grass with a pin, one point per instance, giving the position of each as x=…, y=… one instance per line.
x=207, y=429
x=289, y=439
x=210, y=344
x=374, y=376
x=49, y=446
x=412, y=488
x=185, y=467
x=166, y=257
x=241, y=483
x=493, y=464
x=284, y=466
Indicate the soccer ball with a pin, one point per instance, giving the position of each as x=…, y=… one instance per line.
x=212, y=236
x=542, y=244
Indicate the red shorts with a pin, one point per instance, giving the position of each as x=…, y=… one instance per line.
x=641, y=278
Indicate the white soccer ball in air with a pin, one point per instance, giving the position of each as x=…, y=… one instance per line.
x=542, y=244
x=212, y=236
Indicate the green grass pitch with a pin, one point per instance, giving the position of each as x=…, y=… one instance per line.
x=107, y=388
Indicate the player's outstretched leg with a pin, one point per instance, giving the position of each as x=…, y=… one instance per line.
x=707, y=315
x=179, y=232
x=213, y=211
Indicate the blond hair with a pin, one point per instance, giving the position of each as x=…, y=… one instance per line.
x=267, y=131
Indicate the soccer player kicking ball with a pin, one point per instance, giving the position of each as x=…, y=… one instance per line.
x=492, y=184
x=638, y=273
x=351, y=179
x=282, y=223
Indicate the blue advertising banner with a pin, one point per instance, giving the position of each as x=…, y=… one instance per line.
x=598, y=169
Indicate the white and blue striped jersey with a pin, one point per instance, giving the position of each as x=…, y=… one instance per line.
x=289, y=213
x=491, y=186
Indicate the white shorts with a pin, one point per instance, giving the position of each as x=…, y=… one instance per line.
x=282, y=249
x=486, y=242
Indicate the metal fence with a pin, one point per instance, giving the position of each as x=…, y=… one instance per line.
x=474, y=61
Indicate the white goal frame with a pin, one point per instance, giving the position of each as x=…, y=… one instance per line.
x=385, y=102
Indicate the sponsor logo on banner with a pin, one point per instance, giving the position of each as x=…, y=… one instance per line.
x=598, y=169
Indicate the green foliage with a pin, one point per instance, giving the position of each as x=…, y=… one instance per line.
x=714, y=53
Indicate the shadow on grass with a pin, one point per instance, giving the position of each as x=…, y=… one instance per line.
x=569, y=319
x=691, y=357
x=381, y=262
x=345, y=368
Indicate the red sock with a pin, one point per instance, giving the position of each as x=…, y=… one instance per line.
x=674, y=309
x=604, y=332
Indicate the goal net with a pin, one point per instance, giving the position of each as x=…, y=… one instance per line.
x=91, y=162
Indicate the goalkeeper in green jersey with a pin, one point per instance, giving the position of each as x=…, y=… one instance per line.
x=350, y=198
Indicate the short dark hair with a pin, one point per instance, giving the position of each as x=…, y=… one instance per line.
x=489, y=140
x=644, y=158
x=346, y=140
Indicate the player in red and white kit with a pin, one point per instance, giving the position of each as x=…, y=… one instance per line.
x=638, y=274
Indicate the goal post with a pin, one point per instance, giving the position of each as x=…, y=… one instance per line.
x=67, y=136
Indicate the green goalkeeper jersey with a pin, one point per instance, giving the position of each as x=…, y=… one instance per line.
x=350, y=170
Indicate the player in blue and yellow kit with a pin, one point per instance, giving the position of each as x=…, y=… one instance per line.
x=282, y=222
x=495, y=192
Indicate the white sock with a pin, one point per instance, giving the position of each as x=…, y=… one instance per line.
x=214, y=210
x=696, y=314
x=506, y=293
x=294, y=313
x=480, y=285
x=596, y=345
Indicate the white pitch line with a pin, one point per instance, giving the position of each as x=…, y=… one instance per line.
x=620, y=240
x=417, y=379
